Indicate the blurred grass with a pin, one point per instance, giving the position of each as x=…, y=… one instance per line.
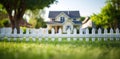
x=59, y=50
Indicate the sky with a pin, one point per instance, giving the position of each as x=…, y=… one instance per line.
x=85, y=7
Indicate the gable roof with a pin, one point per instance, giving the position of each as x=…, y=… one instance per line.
x=71, y=14
x=77, y=22
x=59, y=22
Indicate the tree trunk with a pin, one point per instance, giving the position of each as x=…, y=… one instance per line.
x=14, y=24
x=17, y=26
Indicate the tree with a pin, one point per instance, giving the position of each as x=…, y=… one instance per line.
x=40, y=23
x=82, y=18
x=36, y=18
x=17, y=8
x=115, y=3
x=107, y=18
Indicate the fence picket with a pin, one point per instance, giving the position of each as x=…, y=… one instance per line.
x=117, y=31
x=81, y=39
x=81, y=31
x=27, y=39
x=75, y=31
x=53, y=31
x=60, y=31
x=40, y=39
x=21, y=31
x=15, y=31
x=105, y=31
x=74, y=39
x=93, y=30
x=53, y=39
x=87, y=39
x=93, y=39
x=99, y=31
x=59, y=39
x=111, y=31
x=43, y=33
x=87, y=31
x=68, y=39
x=34, y=39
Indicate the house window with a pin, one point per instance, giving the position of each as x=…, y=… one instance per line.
x=68, y=27
x=74, y=19
x=53, y=19
x=62, y=19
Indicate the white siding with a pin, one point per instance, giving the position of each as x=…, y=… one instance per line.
x=61, y=15
x=67, y=23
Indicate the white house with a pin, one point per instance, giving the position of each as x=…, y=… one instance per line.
x=87, y=23
x=64, y=20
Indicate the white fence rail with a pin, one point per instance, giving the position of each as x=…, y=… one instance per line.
x=44, y=33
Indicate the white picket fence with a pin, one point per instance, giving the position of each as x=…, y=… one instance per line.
x=43, y=33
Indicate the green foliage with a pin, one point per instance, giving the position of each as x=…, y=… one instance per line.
x=33, y=21
x=27, y=4
x=115, y=3
x=4, y=23
x=40, y=23
x=20, y=6
x=107, y=18
x=82, y=18
x=23, y=29
x=36, y=18
x=37, y=22
x=2, y=9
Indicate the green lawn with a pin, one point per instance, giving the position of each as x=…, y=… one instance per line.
x=60, y=50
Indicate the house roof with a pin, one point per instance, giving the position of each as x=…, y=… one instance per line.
x=59, y=22
x=71, y=14
x=77, y=22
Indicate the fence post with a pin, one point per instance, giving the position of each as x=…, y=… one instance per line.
x=21, y=35
x=111, y=34
x=46, y=34
x=60, y=33
x=15, y=34
x=81, y=33
x=105, y=32
x=21, y=32
x=117, y=33
x=68, y=34
x=27, y=30
x=27, y=35
x=99, y=33
x=75, y=32
x=111, y=31
x=40, y=34
x=87, y=32
x=93, y=31
x=53, y=33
